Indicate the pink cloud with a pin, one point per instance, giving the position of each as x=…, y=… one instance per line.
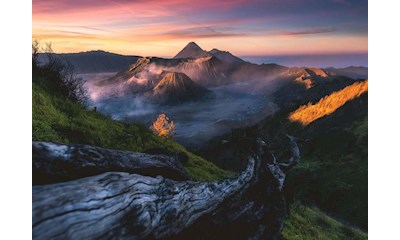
x=133, y=25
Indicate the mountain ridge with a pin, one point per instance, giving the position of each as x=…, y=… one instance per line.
x=220, y=68
x=95, y=61
x=225, y=56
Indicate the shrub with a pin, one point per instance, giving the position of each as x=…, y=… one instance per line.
x=57, y=73
x=163, y=126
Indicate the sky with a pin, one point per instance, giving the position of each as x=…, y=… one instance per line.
x=163, y=27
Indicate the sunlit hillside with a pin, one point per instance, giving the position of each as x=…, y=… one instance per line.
x=306, y=114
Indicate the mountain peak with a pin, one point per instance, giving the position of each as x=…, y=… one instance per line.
x=192, y=50
x=174, y=79
x=177, y=87
x=225, y=56
x=193, y=44
x=216, y=50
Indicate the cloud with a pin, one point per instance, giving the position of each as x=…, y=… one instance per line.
x=61, y=34
x=160, y=27
x=307, y=32
x=200, y=32
x=345, y=2
x=134, y=7
x=95, y=29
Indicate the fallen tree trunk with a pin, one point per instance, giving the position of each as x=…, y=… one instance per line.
x=52, y=163
x=129, y=206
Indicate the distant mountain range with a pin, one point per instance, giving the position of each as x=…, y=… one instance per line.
x=207, y=69
x=101, y=61
x=219, y=68
x=351, y=72
x=95, y=61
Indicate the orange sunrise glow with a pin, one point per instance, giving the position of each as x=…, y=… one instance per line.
x=161, y=28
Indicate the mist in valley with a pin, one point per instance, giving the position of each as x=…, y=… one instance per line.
x=225, y=108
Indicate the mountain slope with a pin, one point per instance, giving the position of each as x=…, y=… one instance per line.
x=95, y=61
x=192, y=50
x=208, y=71
x=310, y=76
x=306, y=114
x=225, y=56
x=176, y=88
x=57, y=119
x=145, y=73
x=351, y=72
x=300, y=89
x=333, y=172
x=308, y=223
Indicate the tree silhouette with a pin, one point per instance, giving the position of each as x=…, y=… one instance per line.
x=56, y=73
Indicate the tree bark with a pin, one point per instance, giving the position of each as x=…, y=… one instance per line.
x=118, y=205
x=54, y=163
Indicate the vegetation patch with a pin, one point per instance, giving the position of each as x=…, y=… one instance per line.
x=307, y=114
x=307, y=223
x=58, y=116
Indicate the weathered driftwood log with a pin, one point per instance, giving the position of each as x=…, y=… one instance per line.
x=279, y=170
x=129, y=206
x=59, y=163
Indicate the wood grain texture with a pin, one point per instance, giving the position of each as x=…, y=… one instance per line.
x=121, y=205
x=54, y=162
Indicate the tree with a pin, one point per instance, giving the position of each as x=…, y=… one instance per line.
x=57, y=72
x=163, y=126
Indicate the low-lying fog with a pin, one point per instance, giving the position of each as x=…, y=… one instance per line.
x=196, y=122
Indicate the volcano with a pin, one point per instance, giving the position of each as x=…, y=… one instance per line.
x=176, y=87
x=192, y=50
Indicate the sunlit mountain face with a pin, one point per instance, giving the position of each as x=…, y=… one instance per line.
x=307, y=114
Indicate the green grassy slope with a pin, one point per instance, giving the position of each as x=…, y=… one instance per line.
x=305, y=223
x=333, y=172
x=57, y=119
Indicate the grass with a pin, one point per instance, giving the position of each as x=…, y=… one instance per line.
x=306, y=114
x=57, y=119
x=333, y=171
x=306, y=223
